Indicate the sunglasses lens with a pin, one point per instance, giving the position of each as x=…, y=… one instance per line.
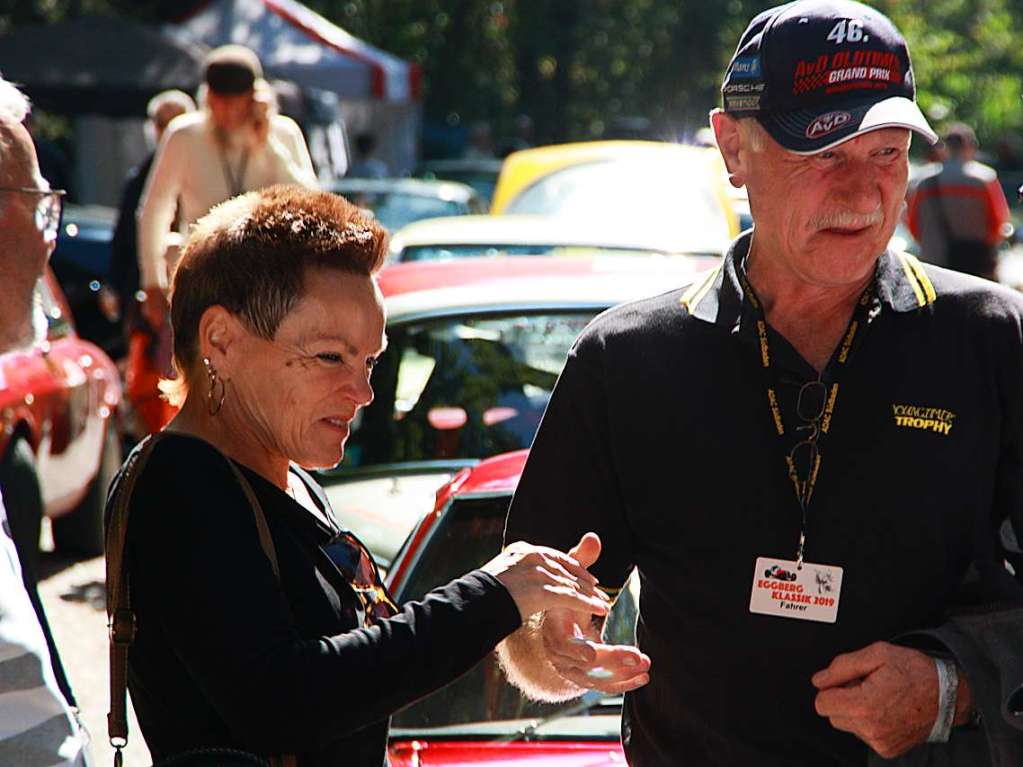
x=358, y=568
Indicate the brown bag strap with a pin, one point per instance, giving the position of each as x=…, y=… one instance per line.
x=121, y=619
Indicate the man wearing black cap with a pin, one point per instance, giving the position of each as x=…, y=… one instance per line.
x=808, y=455
x=237, y=144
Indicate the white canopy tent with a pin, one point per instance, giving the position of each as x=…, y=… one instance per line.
x=378, y=92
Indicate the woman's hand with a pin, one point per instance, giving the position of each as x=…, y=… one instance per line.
x=539, y=578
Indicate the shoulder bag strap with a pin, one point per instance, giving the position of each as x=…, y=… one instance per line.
x=121, y=619
x=265, y=540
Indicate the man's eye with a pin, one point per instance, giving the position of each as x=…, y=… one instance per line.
x=330, y=357
x=372, y=363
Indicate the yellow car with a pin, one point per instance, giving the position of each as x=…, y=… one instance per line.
x=635, y=183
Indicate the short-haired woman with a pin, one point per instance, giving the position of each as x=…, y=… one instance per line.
x=277, y=324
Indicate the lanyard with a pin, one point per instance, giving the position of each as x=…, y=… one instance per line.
x=235, y=183
x=821, y=425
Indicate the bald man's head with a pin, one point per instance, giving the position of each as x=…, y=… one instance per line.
x=23, y=248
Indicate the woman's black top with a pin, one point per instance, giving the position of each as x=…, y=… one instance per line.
x=227, y=656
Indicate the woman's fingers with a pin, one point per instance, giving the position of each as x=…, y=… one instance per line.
x=563, y=560
x=540, y=578
x=570, y=565
x=558, y=596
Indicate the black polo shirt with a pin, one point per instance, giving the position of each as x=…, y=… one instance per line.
x=659, y=437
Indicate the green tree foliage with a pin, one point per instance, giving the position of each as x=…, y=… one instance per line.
x=578, y=66
x=967, y=60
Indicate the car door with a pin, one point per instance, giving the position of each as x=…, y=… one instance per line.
x=72, y=432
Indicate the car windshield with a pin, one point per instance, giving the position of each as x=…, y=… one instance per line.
x=396, y=209
x=652, y=198
x=483, y=181
x=467, y=386
x=469, y=534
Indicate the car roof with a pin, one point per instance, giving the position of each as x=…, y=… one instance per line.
x=445, y=190
x=487, y=165
x=513, y=283
x=522, y=229
x=497, y=475
x=523, y=168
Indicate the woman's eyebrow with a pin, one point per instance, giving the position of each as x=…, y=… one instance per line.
x=344, y=342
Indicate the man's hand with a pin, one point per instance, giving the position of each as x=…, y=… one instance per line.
x=262, y=110
x=154, y=308
x=885, y=695
x=575, y=650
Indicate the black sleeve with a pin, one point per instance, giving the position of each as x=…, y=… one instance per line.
x=124, y=266
x=200, y=569
x=1006, y=521
x=569, y=485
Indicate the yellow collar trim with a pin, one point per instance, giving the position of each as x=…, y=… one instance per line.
x=920, y=282
x=692, y=297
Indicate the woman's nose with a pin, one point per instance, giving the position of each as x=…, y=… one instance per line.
x=363, y=389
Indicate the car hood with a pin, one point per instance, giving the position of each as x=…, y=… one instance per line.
x=382, y=509
x=423, y=753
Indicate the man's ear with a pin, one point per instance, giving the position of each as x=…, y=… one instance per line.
x=219, y=332
x=726, y=131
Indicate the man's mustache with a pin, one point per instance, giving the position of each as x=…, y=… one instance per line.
x=843, y=219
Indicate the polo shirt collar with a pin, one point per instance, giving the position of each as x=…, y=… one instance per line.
x=718, y=297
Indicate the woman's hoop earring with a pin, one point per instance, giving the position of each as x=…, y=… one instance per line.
x=215, y=397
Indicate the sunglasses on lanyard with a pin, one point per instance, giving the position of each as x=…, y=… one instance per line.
x=351, y=557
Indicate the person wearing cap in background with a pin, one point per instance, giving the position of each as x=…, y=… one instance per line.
x=957, y=209
x=144, y=342
x=236, y=144
x=808, y=455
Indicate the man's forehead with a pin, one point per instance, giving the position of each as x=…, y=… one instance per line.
x=871, y=139
x=19, y=165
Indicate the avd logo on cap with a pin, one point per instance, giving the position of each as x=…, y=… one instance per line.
x=827, y=123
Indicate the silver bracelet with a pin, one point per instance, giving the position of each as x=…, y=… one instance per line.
x=948, y=688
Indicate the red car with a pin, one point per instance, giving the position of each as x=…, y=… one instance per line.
x=60, y=444
x=480, y=719
x=475, y=346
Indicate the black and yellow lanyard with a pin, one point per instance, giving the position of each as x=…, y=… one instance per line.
x=850, y=343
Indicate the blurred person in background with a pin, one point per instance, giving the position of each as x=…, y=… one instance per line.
x=480, y=142
x=523, y=136
x=38, y=723
x=148, y=345
x=236, y=143
x=366, y=163
x=957, y=210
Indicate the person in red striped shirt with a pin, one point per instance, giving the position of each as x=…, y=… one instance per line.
x=957, y=210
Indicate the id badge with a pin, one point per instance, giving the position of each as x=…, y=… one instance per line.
x=809, y=594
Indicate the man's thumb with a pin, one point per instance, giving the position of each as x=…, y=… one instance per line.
x=587, y=550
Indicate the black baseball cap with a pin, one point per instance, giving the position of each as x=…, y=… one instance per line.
x=816, y=73
x=232, y=70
